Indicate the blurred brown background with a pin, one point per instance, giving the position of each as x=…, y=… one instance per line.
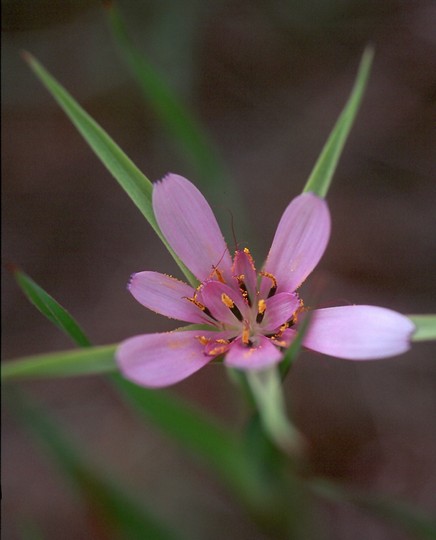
x=268, y=79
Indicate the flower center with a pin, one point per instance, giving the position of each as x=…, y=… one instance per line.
x=244, y=307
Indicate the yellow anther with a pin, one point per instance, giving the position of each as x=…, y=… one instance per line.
x=271, y=277
x=220, y=349
x=196, y=302
x=282, y=328
x=222, y=341
x=246, y=335
x=227, y=301
x=218, y=274
x=261, y=307
x=203, y=340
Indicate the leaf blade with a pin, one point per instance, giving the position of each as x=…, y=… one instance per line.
x=86, y=361
x=321, y=176
x=137, y=186
x=49, y=307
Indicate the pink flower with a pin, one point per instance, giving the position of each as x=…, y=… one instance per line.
x=249, y=317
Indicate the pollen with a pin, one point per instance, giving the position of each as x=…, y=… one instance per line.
x=261, y=307
x=271, y=277
x=246, y=335
x=282, y=329
x=219, y=349
x=196, y=303
x=227, y=301
x=202, y=339
x=216, y=272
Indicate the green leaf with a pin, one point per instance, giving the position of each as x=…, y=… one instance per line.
x=117, y=514
x=425, y=327
x=411, y=519
x=267, y=391
x=321, y=176
x=194, y=143
x=218, y=447
x=135, y=184
x=48, y=306
x=87, y=361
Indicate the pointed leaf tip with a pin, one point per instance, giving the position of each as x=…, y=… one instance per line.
x=321, y=176
x=49, y=307
x=137, y=186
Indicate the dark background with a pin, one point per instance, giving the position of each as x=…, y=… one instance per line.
x=268, y=80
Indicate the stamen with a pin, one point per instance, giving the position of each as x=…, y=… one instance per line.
x=220, y=349
x=228, y=302
x=203, y=308
x=195, y=302
x=218, y=346
x=261, y=307
x=246, y=335
x=282, y=328
x=216, y=272
x=243, y=288
x=280, y=343
x=274, y=282
x=203, y=339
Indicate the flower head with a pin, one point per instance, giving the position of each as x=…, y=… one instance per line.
x=248, y=316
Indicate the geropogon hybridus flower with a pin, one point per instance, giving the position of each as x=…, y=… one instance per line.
x=249, y=317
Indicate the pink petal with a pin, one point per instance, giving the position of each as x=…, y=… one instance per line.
x=358, y=332
x=156, y=360
x=279, y=309
x=243, y=268
x=260, y=356
x=188, y=223
x=211, y=296
x=299, y=242
x=287, y=337
x=167, y=296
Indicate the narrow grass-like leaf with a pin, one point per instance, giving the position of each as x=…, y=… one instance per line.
x=49, y=307
x=116, y=514
x=86, y=361
x=425, y=327
x=321, y=176
x=194, y=143
x=130, y=178
x=411, y=519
